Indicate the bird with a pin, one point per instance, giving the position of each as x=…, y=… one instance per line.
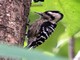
x=43, y=27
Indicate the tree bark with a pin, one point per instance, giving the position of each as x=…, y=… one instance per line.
x=13, y=21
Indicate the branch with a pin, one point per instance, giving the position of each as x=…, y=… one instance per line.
x=71, y=48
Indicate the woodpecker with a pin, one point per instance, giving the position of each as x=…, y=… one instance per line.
x=42, y=28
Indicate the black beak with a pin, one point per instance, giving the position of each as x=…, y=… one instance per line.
x=39, y=13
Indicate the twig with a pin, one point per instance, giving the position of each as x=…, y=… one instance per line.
x=71, y=48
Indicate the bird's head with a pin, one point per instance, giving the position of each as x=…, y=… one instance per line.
x=51, y=15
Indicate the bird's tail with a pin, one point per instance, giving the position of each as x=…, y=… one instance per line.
x=31, y=43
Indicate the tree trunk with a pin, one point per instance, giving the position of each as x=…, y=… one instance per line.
x=13, y=21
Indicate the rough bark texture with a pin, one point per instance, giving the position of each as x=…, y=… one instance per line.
x=13, y=20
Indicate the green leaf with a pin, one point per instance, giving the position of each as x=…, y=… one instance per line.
x=71, y=16
x=77, y=35
x=71, y=10
x=11, y=51
x=63, y=39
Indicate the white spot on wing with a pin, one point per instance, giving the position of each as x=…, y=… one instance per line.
x=51, y=28
x=40, y=41
x=45, y=32
x=41, y=37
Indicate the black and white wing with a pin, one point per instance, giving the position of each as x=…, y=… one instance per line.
x=45, y=31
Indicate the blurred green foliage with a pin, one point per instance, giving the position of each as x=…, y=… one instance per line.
x=24, y=54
